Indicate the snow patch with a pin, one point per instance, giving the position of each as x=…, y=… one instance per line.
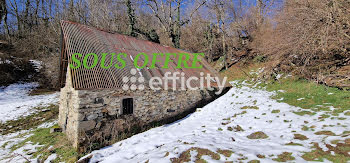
x=15, y=101
x=51, y=158
x=201, y=129
x=22, y=154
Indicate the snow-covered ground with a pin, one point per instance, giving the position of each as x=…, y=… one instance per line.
x=15, y=101
x=214, y=128
x=22, y=154
x=223, y=124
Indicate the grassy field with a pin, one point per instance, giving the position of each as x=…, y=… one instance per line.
x=42, y=115
x=45, y=143
x=309, y=95
x=55, y=142
x=295, y=91
x=313, y=98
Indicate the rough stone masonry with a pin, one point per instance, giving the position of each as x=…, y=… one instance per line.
x=94, y=118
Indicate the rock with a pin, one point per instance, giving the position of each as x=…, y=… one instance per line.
x=257, y=135
x=30, y=152
x=98, y=100
x=81, y=117
x=92, y=116
x=104, y=110
x=98, y=125
x=112, y=111
x=170, y=110
x=56, y=129
x=87, y=125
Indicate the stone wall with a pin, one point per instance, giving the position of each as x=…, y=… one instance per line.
x=68, y=110
x=94, y=118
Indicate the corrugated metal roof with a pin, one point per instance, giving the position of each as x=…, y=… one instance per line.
x=78, y=38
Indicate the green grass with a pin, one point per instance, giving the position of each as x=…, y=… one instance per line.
x=61, y=146
x=42, y=136
x=250, y=107
x=305, y=128
x=42, y=115
x=315, y=95
x=284, y=157
x=186, y=155
x=319, y=155
x=347, y=113
x=41, y=91
x=241, y=72
x=330, y=133
x=275, y=111
x=304, y=112
x=313, y=98
x=226, y=153
x=5, y=144
x=294, y=144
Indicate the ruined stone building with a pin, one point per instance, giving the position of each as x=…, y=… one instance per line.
x=94, y=109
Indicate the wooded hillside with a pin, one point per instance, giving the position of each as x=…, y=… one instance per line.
x=309, y=38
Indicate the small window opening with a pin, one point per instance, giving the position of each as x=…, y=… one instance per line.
x=128, y=106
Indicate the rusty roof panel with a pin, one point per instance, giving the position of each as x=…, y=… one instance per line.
x=78, y=38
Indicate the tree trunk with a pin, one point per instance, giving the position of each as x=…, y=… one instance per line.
x=224, y=45
x=71, y=10
x=3, y=14
x=36, y=16
x=260, y=5
x=177, y=32
x=210, y=40
x=19, y=20
x=132, y=21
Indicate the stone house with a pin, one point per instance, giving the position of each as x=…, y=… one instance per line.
x=95, y=111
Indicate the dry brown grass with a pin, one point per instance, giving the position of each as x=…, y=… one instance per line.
x=285, y=156
x=340, y=153
x=24, y=123
x=186, y=156
x=226, y=153
x=330, y=133
x=257, y=135
x=300, y=137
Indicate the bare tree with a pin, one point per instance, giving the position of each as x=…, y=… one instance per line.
x=3, y=17
x=218, y=9
x=169, y=15
x=310, y=38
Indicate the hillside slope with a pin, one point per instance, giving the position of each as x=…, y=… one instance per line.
x=16, y=102
x=244, y=124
